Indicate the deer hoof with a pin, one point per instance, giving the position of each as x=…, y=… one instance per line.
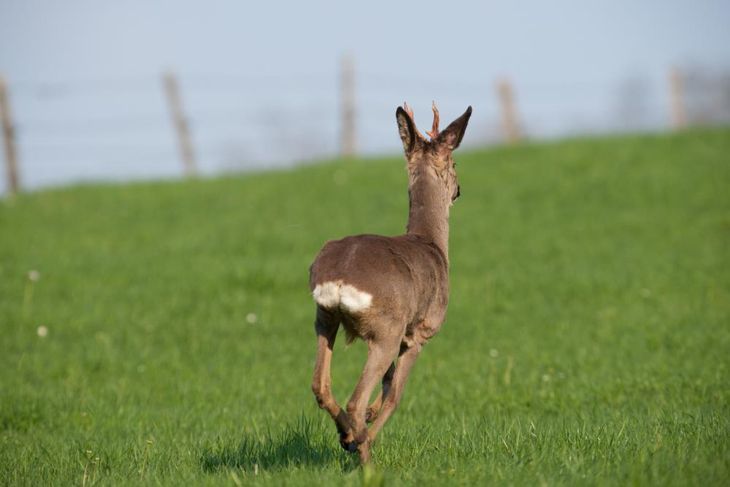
x=349, y=446
x=371, y=415
x=348, y=443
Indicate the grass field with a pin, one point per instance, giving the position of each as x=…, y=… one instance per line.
x=587, y=340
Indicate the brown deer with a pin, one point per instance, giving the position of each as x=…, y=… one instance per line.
x=391, y=292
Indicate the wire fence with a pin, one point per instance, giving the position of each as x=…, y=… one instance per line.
x=126, y=128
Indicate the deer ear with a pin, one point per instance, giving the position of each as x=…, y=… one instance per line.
x=406, y=129
x=452, y=135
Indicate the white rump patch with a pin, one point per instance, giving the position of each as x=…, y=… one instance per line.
x=327, y=295
x=349, y=298
x=353, y=299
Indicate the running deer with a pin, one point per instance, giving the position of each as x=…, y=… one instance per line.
x=391, y=292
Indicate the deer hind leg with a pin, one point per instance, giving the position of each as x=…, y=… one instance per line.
x=374, y=408
x=380, y=356
x=406, y=360
x=326, y=326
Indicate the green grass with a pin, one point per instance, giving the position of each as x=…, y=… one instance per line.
x=587, y=340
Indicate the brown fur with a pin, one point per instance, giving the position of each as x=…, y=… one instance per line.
x=407, y=277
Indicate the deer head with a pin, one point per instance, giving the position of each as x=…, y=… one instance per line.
x=432, y=157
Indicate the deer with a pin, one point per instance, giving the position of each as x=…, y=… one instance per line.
x=391, y=292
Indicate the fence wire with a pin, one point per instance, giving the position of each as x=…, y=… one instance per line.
x=122, y=127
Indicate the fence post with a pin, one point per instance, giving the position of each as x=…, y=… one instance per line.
x=676, y=96
x=11, y=158
x=174, y=101
x=510, y=125
x=347, y=101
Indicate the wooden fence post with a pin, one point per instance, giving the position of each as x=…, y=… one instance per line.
x=676, y=96
x=510, y=125
x=347, y=100
x=187, y=154
x=11, y=158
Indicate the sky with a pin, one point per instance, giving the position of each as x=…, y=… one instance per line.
x=260, y=79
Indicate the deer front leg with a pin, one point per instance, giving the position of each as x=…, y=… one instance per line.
x=374, y=408
x=380, y=356
x=326, y=329
x=392, y=398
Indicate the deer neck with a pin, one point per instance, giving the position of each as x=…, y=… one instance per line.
x=428, y=214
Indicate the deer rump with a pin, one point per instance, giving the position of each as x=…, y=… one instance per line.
x=368, y=281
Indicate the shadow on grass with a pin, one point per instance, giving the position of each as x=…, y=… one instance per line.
x=299, y=445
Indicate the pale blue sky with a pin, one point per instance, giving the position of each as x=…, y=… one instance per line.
x=276, y=63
